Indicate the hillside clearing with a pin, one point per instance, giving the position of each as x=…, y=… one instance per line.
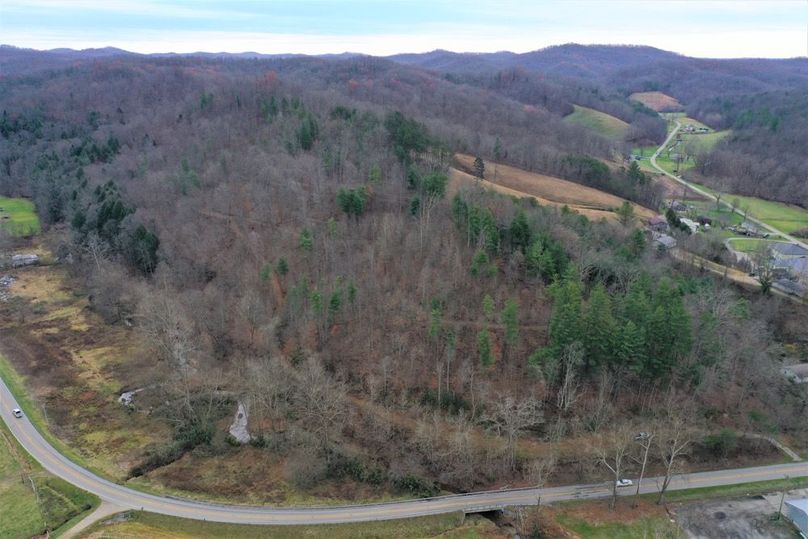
x=547, y=190
x=657, y=101
x=600, y=122
x=17, y=216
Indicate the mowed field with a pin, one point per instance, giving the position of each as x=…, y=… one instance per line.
x=600, y=122
x=23, y=512
x=17, y=217
x=547, y=190
x=656, y=101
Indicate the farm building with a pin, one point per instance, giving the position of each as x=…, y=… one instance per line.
x=663, y=241
x=796, y=373
x=797, y=512
x=691, y=224
x=677, y=206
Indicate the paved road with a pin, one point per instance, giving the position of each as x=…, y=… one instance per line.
x=127, y=498
x=712, y=197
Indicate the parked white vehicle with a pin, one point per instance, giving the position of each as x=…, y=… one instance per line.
x=624, y=482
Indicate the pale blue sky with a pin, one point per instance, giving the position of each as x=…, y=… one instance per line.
x=704, y=28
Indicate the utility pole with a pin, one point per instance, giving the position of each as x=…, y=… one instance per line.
x=782, y=499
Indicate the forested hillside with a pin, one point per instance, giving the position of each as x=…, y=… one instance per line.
x=762, y=101
x=280, y=233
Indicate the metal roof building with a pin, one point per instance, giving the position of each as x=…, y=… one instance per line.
x=797, y=512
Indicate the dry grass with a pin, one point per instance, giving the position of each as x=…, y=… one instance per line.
x=657, y=101
x=547, y=190
x=73, y=364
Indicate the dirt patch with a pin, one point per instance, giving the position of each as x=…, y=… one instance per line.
x=676, y=191
x=744, y=517
x=547, y=190
x=657, y=101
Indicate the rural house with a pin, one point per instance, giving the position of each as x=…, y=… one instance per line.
x=663, y=241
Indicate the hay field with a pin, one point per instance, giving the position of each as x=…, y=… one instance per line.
x=547, y=190
x=657, y=101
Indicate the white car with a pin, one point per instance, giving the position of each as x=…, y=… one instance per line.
x=16, y=412
x=624, y=482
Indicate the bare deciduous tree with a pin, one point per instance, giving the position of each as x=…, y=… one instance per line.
x=509, y=417
x=611, y=450
x=571, y=359
x=319, y=400
x=674, y=436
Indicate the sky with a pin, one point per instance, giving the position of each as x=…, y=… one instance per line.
x=700, y=28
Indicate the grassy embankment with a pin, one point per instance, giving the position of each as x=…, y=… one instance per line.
x=142, y=524
x=31, y=500
x=600, y=122
x=17, y=216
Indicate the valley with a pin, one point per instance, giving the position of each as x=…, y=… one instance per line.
x=342, y=290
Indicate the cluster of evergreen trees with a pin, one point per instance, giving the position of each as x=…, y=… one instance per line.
x=543, y=255
x=646, y=331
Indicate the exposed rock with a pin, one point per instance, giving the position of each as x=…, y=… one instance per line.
x=18, y=261
x=238, y=429
x=5, y=282
x=127, y=397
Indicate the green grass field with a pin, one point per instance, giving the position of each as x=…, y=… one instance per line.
x=25, y=513
x=641, y=528
x=452, y=525
x=749, y=245
x=18, y=217
x=605, y=124
x=786, y=217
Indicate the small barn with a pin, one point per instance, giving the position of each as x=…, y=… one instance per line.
x=664, y=242
x=797, y=512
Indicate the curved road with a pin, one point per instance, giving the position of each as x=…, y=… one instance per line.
x=127, y=498
x=711, y=196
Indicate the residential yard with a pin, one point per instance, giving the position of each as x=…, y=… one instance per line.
x=24, y=512
x=139, y=524
x=604, y=124
x=17, y=216
x=749, y=245
x=786, y=217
